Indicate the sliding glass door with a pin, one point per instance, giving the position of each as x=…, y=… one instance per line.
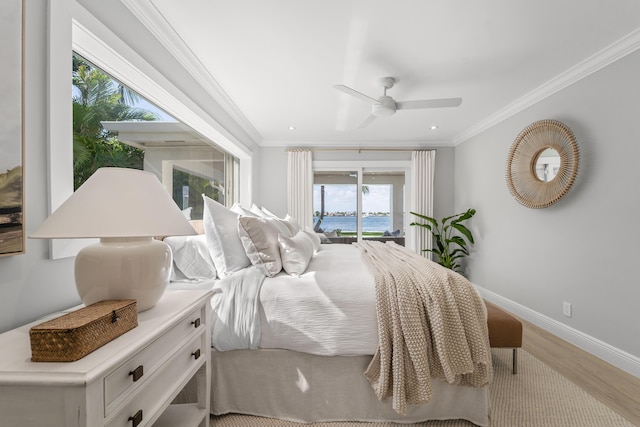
x=359, y=203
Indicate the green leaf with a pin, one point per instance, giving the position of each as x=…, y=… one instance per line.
x=449, y=248
x=445, y=219
x=460, y=251
x=419, y=224
x=457, y=240
x=426, y=218
x=464, y=230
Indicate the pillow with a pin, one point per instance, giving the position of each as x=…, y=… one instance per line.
x=237, y=208
x=259, y=237
x=221, y=231
x=257, y=211
x=315, y=238
x=268, y=213
x=296, y=252
x=292, y=224
x=191, y=257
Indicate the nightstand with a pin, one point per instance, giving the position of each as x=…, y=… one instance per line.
x=131, y=381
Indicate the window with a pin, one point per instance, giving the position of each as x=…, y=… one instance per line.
x=72, y=29
x=363, y=203
x=114, y=126
x=335, y=203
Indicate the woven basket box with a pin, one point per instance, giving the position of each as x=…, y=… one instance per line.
x=74, y=335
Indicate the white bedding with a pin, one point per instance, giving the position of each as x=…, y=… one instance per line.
x=328, y=310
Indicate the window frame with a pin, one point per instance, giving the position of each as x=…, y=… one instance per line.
x=73, y=28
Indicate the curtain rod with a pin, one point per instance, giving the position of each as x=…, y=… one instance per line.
x=358, y=149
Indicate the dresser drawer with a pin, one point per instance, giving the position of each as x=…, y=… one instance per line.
x=139, y=369
x=162, y=386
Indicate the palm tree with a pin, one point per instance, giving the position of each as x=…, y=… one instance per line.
x=98, y=98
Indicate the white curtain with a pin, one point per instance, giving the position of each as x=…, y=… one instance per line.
x=300, y=186
x=422, y=172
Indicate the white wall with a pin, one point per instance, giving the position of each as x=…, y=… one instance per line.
x=32, y=285
x=584, y=249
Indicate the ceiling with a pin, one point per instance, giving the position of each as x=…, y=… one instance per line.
x=272, y=64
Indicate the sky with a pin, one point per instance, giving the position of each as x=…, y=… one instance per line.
x=162, y=115
x=342, y=197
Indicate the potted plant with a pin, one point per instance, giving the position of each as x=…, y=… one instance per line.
x=449, y=247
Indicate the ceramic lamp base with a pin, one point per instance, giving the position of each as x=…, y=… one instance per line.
x=123, y=268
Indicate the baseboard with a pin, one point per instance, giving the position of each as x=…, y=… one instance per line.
x=612, y=355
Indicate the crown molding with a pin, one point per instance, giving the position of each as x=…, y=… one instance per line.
x=149, y=15
x=354, y=144
x=615, y=51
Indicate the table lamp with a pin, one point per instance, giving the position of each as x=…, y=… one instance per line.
x=125, y=208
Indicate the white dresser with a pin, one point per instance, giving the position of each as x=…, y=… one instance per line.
x=131, y=381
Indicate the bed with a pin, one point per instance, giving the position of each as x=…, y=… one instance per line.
x=302, y=337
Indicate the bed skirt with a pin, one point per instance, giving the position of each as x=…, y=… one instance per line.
x=307, y=388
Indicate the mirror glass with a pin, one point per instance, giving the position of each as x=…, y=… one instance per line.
x=547, y=164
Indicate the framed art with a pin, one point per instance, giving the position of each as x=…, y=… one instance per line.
x=11, y=128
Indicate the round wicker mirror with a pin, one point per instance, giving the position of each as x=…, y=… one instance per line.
x=527, y=168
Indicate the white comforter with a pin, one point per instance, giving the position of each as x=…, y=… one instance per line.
x=235, y=314
x=329, y=310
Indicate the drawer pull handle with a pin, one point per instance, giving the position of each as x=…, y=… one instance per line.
x=196, y=323
x=136, y=419
x=137, y=373
x=196, y=354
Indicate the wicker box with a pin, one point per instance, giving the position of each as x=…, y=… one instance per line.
x=74, y=335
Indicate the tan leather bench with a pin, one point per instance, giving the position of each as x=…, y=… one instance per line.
x=505, y=331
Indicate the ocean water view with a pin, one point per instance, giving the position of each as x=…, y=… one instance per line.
x=348, y=223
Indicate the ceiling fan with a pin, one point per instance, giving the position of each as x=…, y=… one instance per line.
x=386, y=106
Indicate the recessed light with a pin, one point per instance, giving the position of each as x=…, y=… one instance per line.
x=433, y=127
x=292, y=128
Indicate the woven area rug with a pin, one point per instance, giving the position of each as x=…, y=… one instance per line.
x=537, y=396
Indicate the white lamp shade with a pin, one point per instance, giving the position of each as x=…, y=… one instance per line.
x=125, y=208
x=116, y=202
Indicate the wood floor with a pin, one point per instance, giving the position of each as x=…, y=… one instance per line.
x=612, y=386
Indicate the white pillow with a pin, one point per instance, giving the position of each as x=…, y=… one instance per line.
x=221, y=231
x=268, y=213
x=237, y=208
x=191, y=257
x=257, y=211
x=296, y=252
x=292, y=224
x=259, y=237
x=315, y=238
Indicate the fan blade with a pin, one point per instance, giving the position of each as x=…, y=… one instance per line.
x=367, y=121
x=352, y=92
x=429, y=103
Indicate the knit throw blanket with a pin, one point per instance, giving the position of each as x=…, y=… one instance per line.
x=432, y=323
